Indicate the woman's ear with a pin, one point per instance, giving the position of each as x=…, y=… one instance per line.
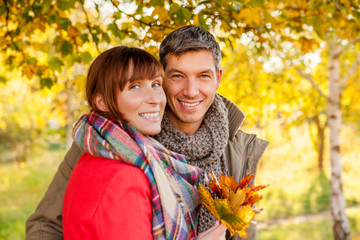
x=100, y=103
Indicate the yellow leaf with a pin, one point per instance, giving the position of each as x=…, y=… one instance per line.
x=116, y=2
x=78, y=41
x=2, y=125
x=79, y=26
x=238, y=227
x=245, y=213
x=308, y=44
x=232, y=201
x=80, y=82
x=61, y=14
x=237, y=199
x=126, y=26
x=162, y=13
x=168, y=31
x=137, y=24
x=72, y=32
x=28, y=70
x=234, y=222
x=196, y=19
x=208, y=201
x=250, y=16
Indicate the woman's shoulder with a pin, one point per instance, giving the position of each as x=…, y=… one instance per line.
x=95, y=178
x=104, y=194
x=93, y=165
x=93, y=175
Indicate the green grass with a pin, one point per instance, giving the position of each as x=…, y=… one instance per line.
x=21, y=188
x=318, y=228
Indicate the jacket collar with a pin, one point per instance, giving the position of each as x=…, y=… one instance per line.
x=235, y=115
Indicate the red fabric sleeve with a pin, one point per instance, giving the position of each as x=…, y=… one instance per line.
x=107, y=199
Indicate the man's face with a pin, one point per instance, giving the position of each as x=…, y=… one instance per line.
x=190, y=85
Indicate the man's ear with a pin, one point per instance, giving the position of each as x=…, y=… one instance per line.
x=219, y=75
x=100, y=103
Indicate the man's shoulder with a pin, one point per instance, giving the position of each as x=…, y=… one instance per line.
x=243, y=153
x=235, y=116
x=73, y=155
x=232, y=108
x=250, y=138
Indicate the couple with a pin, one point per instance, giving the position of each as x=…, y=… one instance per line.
x=128, y=185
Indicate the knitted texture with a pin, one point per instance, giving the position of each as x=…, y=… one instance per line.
x=174, y=197
x=205, y=149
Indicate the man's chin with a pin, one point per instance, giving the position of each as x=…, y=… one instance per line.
x=189, y=119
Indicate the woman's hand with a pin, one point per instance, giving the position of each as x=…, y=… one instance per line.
x=216, y=232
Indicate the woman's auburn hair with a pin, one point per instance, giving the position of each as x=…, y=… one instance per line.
x=110, y=72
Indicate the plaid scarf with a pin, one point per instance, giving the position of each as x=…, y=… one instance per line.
x=174, y=197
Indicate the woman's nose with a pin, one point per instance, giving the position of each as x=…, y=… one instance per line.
x=154, y=96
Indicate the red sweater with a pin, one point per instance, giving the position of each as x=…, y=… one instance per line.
x=107, y=199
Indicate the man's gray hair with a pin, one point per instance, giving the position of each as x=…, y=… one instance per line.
x=189, y=38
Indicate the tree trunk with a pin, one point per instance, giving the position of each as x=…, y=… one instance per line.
x=320, y=142
x=341, y=228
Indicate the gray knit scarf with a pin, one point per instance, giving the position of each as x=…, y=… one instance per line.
x=204, y=149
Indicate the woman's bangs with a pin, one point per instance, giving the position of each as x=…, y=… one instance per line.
x=146, y=68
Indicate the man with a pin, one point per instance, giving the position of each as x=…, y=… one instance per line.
x=198, y=123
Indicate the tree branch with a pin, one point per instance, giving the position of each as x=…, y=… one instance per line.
x=8, y=32
x=7, y=20
x=151, y=24
x=7, y=14
x=311, y=80
x=355, y=41
x=350, y=72
x=88, y=25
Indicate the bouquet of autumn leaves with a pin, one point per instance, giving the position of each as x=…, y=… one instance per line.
x=231, y=202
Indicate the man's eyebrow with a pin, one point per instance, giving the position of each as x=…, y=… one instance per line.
x=202, y=71
x=207, y=71
x=174, y=70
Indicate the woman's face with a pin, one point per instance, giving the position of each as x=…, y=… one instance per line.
x=142, y=104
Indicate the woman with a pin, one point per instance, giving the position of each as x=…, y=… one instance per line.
x=127, y=185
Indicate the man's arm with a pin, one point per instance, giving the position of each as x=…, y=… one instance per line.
x=46, y=221
x=243, y=154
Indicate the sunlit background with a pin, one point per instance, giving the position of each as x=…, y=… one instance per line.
x=278, y=59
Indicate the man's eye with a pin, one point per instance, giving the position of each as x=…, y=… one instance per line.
x=176, y=76
x=204, y=76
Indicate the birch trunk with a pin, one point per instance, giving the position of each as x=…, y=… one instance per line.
x=341, y=228
x=319, y=143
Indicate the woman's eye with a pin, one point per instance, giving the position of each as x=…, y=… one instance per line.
x=156, y=85
x=134, y=86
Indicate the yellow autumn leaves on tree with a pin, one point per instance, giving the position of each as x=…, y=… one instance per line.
x=231, y=202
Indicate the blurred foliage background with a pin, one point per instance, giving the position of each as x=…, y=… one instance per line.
x=286, y=65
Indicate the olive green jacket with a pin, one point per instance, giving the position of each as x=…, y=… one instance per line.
x=242, y=153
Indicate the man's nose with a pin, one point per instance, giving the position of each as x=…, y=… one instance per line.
x=191, y=88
